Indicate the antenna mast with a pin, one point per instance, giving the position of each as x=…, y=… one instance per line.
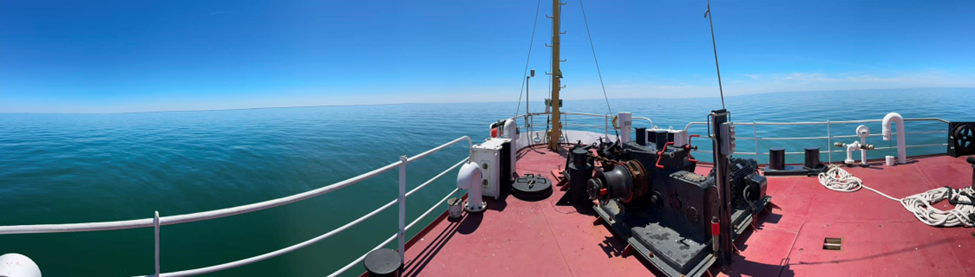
x=715, y=47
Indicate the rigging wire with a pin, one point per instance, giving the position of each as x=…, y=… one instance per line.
x=598, y=72
x=538, y=5
x=715, y=47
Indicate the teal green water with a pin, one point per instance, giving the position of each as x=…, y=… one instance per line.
x=65, y=168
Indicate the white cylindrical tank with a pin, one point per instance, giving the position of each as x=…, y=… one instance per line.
x=469, y=178
x=625, y=122
x=17, y=265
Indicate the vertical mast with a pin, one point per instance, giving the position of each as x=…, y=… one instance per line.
x=556, y=132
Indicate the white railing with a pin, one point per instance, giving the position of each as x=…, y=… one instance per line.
x=156, y=221
x=829, y=137
x=607, y=125
x=755, y=138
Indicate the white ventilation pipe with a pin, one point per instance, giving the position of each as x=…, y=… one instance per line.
x=855, y=146
x=510, y=130
x=863, y=132
x=849, y=152
x=625, y=121
x=17, y=265
x=469, y=178
x=901, y=144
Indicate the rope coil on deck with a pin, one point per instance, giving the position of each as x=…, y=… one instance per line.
x=837, y=179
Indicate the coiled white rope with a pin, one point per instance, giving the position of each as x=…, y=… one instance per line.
x=837, y=179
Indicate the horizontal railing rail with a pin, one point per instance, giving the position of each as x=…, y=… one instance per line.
x=828, y=136
x=156, y=221
x=529, y=117
x=607, y=125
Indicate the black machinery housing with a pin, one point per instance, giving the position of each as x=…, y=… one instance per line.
x=650, y=195
x=961, y=139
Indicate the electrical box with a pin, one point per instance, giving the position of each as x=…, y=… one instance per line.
x=548, y=102
x=488, y=156
x=728, y=133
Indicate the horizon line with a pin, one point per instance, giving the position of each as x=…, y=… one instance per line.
x=415, y=103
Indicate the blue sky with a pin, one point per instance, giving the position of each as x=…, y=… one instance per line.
x=117, y=56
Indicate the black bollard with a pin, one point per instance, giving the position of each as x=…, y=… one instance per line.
x=641, y=136
x=661, y=139
x=812, y=158
x=776, y=158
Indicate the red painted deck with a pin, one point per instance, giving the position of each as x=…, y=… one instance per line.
x=518, y=238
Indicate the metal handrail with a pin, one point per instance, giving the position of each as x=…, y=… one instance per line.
x=606, y=126
x=828, y=136
x=582, y=125
x=755, y=138
x=390, y=239
x=213, y=214
x=300, y=245
x=687, y=128
x=157, y=221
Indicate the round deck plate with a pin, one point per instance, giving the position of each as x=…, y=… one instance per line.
x=383, y=262
x=531, y=188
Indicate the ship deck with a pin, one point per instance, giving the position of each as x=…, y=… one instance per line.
x=547, y=238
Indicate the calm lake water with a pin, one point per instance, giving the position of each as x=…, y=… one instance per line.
x=66, y=168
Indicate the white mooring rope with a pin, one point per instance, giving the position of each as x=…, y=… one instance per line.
x=920, y=204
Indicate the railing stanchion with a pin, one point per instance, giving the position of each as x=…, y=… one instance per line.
x=755, y=131
x=402, y=209
x=829, y=144
x=155, y=222
x=606, y=126
x=531, y=128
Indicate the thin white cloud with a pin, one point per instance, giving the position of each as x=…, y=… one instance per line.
x=806, y=77
x=872, y=78
x=778, y=82
x=621, y=86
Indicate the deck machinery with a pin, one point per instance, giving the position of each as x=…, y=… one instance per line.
x=648, y=193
